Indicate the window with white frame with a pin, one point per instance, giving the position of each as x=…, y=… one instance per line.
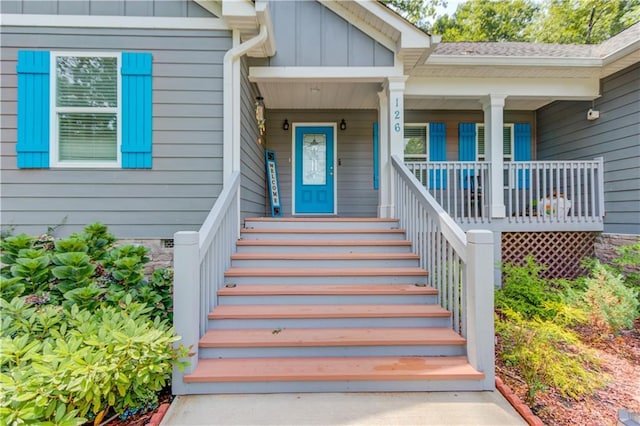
x=415, y=142
x=507, y=142
x=86, y=112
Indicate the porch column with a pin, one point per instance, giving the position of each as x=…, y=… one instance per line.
x=493, y=107
x=391, y=139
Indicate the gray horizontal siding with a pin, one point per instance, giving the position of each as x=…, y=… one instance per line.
x=186, y=178
x=252, y=168
x=308, y=34
x=166, y=8
x=564, y=133
x=356, y=196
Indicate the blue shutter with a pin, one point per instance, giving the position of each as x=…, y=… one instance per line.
x=33, y=109
x=376, y=157
x=466, y=149
x=522, y=151
x=438, y=152
x=136, y=110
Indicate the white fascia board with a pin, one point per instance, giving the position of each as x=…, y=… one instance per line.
x=238, y=8
x=621, y=53
x=411, y=36
x=87, y=21
x=264, y=18
x=528, y=61
x=573, y=88
x=360, y=24
x=323, y=74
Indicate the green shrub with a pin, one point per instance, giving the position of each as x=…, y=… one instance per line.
x=610, y=303
x=72, y=343
x=66, y=365
x=627, y=263
x=524, y=291
x=547, y=353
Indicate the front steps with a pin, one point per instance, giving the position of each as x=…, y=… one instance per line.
x=328, y=305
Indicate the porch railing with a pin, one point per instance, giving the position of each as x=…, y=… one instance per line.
x=200, y=260
x=548, y=192
x=460, y=266
x=458, y=186
x=554, y=191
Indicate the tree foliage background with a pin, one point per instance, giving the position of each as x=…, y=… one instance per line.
x=542, y=21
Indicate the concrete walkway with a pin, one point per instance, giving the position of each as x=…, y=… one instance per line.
x=331, y=409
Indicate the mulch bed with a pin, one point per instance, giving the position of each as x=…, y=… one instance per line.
x=620, y=357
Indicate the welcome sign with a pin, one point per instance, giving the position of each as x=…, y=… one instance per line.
x=272, y=182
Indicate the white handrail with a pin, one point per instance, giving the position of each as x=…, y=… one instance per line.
x=460, y=266
x=200, y=260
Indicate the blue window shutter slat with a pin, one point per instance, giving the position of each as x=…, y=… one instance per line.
x=438, y=152
x=522, y=148
x=33, y=109
x=376, y=157
x=466, y=149
x=136, y=110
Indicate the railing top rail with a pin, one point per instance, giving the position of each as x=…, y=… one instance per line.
x=212, y=222
x=447, y=163
x=449, y=228
x=543, y=162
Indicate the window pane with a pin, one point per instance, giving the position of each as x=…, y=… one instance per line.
x=314, y=159
x=415, y=142
x=84, y=137
x=86, y=81
x=506, y=141
x=481, y=143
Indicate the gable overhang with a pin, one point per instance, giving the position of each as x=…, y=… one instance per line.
x=410, y=44
x=246, y=18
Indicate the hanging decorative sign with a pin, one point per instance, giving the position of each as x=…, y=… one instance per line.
x=272, y=183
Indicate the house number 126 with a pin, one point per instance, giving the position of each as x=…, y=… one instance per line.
x=396, y=117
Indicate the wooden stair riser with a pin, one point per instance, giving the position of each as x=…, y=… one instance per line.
x=326, y=263
x=279, y=323
x=425, y=299
x=322, y=235
x=332, y=247
x=459, y=385
x=335, y=351
x=311, y=223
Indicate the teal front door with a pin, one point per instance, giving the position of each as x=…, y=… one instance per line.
x=314, y=170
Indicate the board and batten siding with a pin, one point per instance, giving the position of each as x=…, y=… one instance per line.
x=354, y=166
x=164, y=8
x=186, y=178
x=309, y=34
x=252, y=162
x=564, y=133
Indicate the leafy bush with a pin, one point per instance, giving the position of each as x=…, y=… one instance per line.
x=524, y=291
x=610, y=303
x=547, y=353
x=627, y=264
x=73, y=344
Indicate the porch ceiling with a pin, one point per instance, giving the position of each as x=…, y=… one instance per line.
x=333, y=95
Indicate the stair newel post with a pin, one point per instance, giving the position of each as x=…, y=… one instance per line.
x=479, y=306
x=186, y=300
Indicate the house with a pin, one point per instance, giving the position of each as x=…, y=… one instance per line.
x=365, y=116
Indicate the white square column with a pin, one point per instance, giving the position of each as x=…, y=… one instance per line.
x=391, y=134
x=493, y=107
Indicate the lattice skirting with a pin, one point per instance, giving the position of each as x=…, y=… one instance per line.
x=561, y=252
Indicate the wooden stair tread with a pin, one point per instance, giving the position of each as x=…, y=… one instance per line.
x=326, y=311
x=325, y=256
x=322, y=231
x=315, y=272
x=332, y=369
x=311, y=337
x=325, y=289
x=324, y=243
